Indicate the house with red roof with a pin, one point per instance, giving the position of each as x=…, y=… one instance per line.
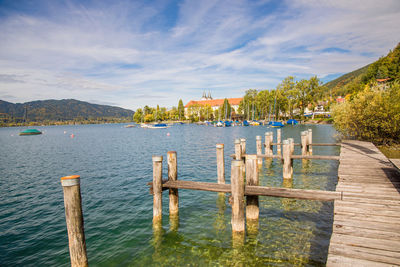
x=214, y=103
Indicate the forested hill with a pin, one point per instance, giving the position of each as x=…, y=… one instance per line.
x=60, y=110
x=346, y=78
x=387, y=67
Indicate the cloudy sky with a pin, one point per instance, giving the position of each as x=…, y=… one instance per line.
x=132, y=53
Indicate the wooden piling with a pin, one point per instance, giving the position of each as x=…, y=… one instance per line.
x=243, y=145
x=173, y=176
x=291, y=142
x=259, y=148
x=268, y=142
x=309, y=141
x=157, y=189
x=220, y=163
x=278, y=141
x=74, y=220
x=237, y=189
x=286, y=160
x=304, y=141
x=238, y=149
x=252, y=209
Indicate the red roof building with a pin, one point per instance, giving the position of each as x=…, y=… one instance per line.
x=215, y=103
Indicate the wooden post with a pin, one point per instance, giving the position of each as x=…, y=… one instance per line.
x=291, y=142
x=243, y=146
x=157, y=189
x=237, y=188
x=286, y=160
x=252, y=209
x=74, y=219
x=268, y=150
x=309, y=141
x=259, y=148
x=173, y=176
x=220, y=163
x=278, y=140
x=238, y=150
x=304, y=140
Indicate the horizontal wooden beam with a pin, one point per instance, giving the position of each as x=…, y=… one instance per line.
x=326, y=144
x=315, y=157
x=256, y=190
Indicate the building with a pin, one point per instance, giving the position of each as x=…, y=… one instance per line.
x=207, y=100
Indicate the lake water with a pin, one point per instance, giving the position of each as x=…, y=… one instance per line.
x=115, y=164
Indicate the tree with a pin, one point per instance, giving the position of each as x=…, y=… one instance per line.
x=181, y=110
x=138, y=116
x=225, y=110
x=372, y=115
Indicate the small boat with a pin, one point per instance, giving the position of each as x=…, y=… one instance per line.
x=276, y=124
x=227, y=124
x=30, y=132
x=129, y=126
x=255, y=123
x=245, y=123
x=219, y=124
x=158, y=126
x=292, y=122
x=144, y=125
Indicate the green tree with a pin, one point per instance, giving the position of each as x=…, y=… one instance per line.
x=225, y=110
x=138, y=116
x=372, y=115
x=181, y=110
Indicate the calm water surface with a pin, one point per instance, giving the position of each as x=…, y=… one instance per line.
x=115, y=164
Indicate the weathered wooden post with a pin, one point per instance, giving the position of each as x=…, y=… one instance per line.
x=252, y=209
x=304, y=140
x=268, y=146
x=173, y=176
x=220, y=163
x=74, y=220
x=291, y=142
x=238, y=150
x=309, y=141
x=286, y=160
x=259, y=148
x=237, y=188
x=243, y=146
x=278, y=140
x=157, y=190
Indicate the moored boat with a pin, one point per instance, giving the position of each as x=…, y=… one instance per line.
x=292, y=122
x=30, y=132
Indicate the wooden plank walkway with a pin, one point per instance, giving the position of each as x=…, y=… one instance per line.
x=366, y=227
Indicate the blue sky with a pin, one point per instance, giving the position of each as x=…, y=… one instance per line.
x=133, y=53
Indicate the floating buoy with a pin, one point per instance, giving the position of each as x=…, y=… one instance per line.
x=168, y=134
x=65, y=132
x=72, y=135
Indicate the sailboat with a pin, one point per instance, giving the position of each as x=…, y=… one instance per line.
x=275, y=124
x=29, y=131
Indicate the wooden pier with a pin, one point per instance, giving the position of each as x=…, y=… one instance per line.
x=366, y=227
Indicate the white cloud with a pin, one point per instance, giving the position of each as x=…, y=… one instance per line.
x=133, y=54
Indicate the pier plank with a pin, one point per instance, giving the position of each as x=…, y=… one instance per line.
x=366, y=228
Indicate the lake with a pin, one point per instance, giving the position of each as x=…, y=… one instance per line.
x=115, y=164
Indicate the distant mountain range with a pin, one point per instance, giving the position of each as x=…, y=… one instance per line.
x=346, y=78
x=62, y=110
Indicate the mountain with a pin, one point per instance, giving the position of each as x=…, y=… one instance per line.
x=387, y=67
x=346, y=78
x=60, y=110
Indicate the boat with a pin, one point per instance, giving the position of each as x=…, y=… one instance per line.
x=276, y=124
x=292, y=122
x=219, y=124
x=129, y=126
x=158, y=126
x=255, y=123
x=30, y=132
x=144, y=125
x=227, y=124
x=245, y=123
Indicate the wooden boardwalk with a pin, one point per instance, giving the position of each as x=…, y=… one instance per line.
x=366, y=227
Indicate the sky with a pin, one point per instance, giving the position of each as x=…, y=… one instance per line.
x=135, y=53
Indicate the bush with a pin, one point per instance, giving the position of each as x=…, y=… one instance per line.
x=371, y=115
